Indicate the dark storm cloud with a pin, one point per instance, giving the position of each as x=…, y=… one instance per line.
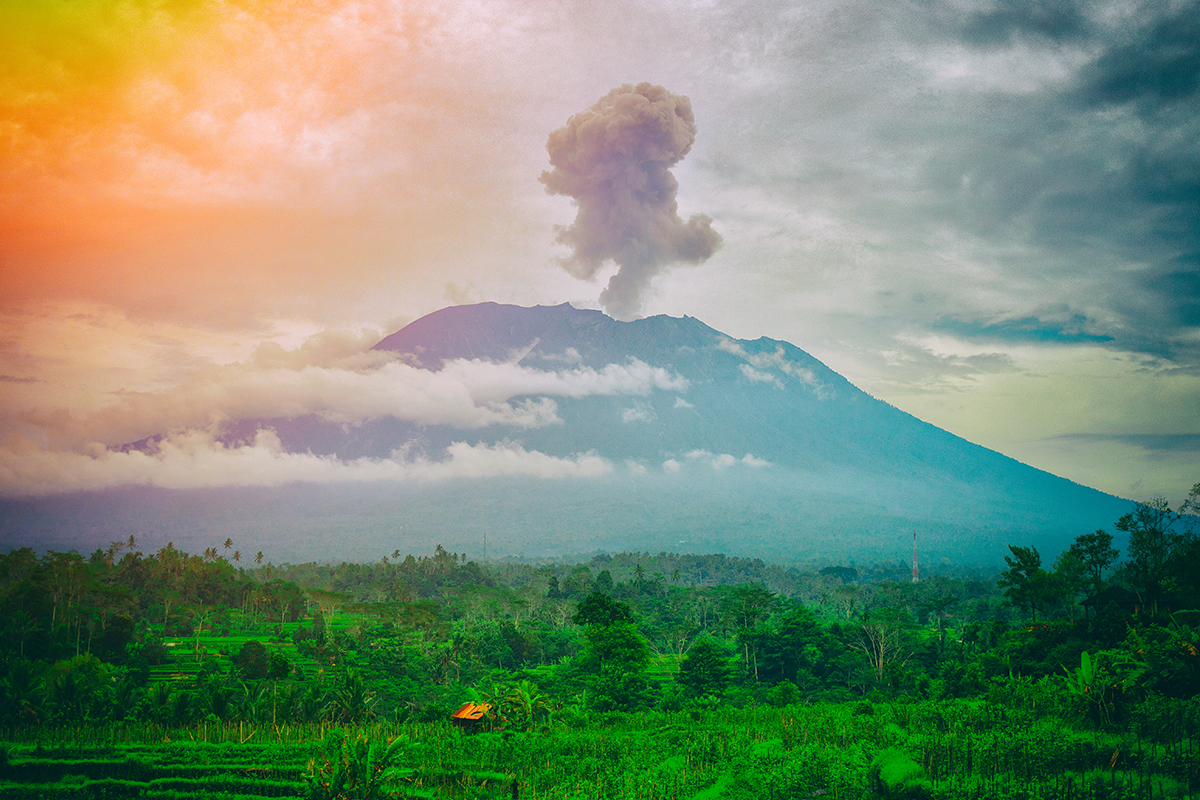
x=1055, y=20
x=1161, y=66
x=1152, y=201
x=1179, y=286
x=1092, y=175
x=1029, y=329
x=1151, y=442
x=615, y=160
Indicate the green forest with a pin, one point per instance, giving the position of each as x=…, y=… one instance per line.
x=624, y=675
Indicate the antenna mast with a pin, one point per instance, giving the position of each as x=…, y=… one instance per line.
x=915, y=574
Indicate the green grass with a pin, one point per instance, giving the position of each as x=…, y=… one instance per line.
x=938, y=750
x=219, y=650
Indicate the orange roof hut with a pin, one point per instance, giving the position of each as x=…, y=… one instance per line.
x=469, y=715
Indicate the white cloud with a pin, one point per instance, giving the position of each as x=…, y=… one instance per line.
x=333, y=377
x=568, y=356
x=720, y=461
x=193, y=459
x=681, y=403
x=757, y=364
x=487, y=461
x=1016, y=70
x=492, y=381
x=760, y=377
x=639, y=413
x=671, y=465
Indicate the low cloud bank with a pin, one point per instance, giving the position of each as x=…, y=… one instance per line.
x=718, y=461
x=330, y=377
x=194, y=459
x=464, y=394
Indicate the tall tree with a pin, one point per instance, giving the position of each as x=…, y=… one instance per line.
x=705, y=669
x=1025, y=583
x=1096, y=554
x=1151, y=539
x=1158, y=536
x=882, y=641
x=600, y=609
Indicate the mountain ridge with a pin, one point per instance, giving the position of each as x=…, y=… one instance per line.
x=751, y=444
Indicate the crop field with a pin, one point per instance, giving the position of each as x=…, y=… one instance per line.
x=215, y=648
x=933, y=750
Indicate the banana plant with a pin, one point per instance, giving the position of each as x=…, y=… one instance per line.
x=355, y=768
x=1093, y=684
x=516, y=706
x=527, y=705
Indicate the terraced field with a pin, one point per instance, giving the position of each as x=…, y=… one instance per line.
x=224, y=767
x=190, y=653
x=935, y=750
x=163, y=770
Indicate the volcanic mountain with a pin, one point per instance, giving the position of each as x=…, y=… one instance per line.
x=702, y=442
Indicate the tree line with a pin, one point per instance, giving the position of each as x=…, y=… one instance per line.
x=412, y=637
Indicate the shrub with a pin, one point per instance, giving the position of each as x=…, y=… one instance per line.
x=897, y=775
x=354, y=768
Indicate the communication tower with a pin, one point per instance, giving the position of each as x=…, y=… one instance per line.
x=915, y=574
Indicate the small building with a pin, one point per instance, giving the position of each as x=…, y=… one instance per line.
x=1115, y=596
x=470, y=715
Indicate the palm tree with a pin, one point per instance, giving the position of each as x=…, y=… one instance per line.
x=351, y=700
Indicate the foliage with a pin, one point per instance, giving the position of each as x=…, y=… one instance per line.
x=1025, y=583
x=1094, y=686
x=78, y=688
x=353, y=767
x=1095, y=554
x=616, y=690
x=1159, y=539
x=896, y=774
x=619, y=647
x=630, y=675
x=351, y=700
x=705, y=669
x=601, y=610
x=253, y=660
x=519, y=705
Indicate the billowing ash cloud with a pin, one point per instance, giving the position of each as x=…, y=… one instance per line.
x=615, y=160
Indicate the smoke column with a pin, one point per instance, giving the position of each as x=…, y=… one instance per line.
x=615, y=160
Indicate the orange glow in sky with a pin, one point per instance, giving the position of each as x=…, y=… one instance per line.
x=961, y=224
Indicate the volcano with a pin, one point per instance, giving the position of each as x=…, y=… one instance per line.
x=747, y=447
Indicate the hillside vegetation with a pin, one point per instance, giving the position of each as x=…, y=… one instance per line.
x=627, y=675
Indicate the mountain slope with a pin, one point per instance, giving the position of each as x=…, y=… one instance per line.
x=751, y=447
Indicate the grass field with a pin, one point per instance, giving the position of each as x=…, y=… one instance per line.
x=949, y=749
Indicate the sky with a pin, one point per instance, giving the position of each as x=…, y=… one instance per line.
x=985, y=213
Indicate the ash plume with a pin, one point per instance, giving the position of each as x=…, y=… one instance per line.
x=614, y=160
